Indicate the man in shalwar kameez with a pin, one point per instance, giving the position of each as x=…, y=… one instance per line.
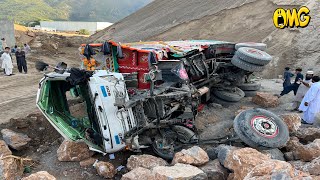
x=310, y=104
x=7, y=62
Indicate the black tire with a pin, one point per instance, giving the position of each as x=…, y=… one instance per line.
x=264, y=128
x=250, y=93
x=243, y=137
x=222, y=102
x=245, y=65
x=253, y=56
x=260, y=46
x=251, y=86
x=180, y=135
x=232, y=96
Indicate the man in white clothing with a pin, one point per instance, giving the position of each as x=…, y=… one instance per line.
x=310, y=104
x=302, y=90
x=7, y=62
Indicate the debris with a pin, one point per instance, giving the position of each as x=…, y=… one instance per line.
x=179, y=171
x=214, y=170
x=119, y=168
x=41, y=175
x=145, y=161
x=111, y=156
x=274, y=154
x=87, y=162
x=15, y=140
x=20, y=123
x=241, y=161
x=139, y=173
x=302, y=152
x=105, y=169
x=4, y=150
x=266, y=100
x=193, y=156
x=293, y=121
x=242, y=108
x=275, y=169
x=73, y=151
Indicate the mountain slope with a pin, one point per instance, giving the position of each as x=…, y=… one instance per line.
x=229, y=20
x=85, y=10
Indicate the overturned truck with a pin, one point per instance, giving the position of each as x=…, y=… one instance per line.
x=148, y=94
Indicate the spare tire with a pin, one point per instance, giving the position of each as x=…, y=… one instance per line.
x=233, y=95
x=253, y=56
x=250, y=93
x=222, y=102
x=263, y=127
x=251, y=86
x=260, y=46
x=245, y=65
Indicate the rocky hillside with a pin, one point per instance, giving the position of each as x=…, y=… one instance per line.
x=85, y=10
x=235, y=21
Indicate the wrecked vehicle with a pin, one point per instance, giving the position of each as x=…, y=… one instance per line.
x=148, y=94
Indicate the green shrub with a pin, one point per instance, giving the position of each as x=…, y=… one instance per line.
x=84, y=32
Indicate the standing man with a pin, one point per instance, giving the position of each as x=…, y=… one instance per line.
x=310, y=104
x=302, y=90
x=21, y=60
x=7, y=62
x=293, y=87
x=26, y=48
x=287, y=75
x=4, y=43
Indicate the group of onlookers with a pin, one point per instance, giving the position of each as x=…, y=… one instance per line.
x=6, y=57
x=306, y=91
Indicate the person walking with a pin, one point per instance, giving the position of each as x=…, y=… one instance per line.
x=7, y=62
x=310, y=104
x=287, y=75
x=21, y=60
x=302, y=90
x=293, y=87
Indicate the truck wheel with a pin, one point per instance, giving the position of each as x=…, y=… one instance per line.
x=222, y=102
x=185, y=135
x=260, y=46
x=243, y=137
x=232, y=96
x=167, y=145
x=251, y=86
x=250, y=93
x=245, y=65
x=253, y=56
x=264, y=128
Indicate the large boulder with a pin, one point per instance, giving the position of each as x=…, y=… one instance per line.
x=9, y=168
x=293, y=121
x=41, y=175
x=266, y=100
x=73, y=151
x=145, y=161
x=274, y=169
x=139, y=173
x=242, y=161
x=274, y=154
x=179, y=172
x=312, y=167
x=194, y=156
x=105, y=169
x=15, y=140
x=302, y=152
x=308, y=134
x=215, y=171
x=4, y=150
